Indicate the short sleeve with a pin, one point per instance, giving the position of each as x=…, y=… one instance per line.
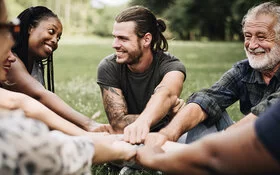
x=108, y=71
x=170, y=63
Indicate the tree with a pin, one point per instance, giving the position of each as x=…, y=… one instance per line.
x=157, y=6
x=195, y=19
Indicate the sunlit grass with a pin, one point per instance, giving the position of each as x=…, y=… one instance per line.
x=77, y=59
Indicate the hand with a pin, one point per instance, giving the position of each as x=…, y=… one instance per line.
x=136, y=132
x=99, y=127
x=147, y=155
x=155, y=139
x=111, y=148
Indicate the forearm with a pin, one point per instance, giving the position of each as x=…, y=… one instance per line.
x=247, y=119
x=36, y=110
x=158, y=107
x=53, y=102
x=187, y=118
x=229, y=152
x=122, y=121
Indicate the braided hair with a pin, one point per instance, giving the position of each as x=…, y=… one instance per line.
x=31, y=17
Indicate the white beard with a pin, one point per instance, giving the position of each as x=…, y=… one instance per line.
x=264, y=62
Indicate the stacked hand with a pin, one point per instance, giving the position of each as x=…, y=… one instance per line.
x=93, y=126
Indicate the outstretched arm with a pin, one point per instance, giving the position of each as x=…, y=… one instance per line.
x=34, y=109
x=187, y=118
x=22, y=81
x=231, y=152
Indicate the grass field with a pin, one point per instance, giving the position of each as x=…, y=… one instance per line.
x=77, y=59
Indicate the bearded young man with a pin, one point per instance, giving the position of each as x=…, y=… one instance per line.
x=140, y=83
x=255, y=81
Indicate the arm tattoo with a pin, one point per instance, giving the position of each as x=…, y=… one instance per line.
x=116, y=108
x=108, y=88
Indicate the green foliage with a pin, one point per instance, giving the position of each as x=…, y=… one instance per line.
x=103, y=23
x=200, y=19
x=197, y=20
x=157, y=6
x=77, y=16
x=13, y=8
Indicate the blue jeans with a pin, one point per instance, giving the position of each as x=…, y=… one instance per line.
x=201, y=129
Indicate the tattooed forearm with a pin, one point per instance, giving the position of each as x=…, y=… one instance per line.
x=116, y=109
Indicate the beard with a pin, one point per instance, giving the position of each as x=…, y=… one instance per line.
x=132, y=57
x=264, y=62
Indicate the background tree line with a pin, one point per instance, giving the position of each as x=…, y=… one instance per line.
x=186, y=19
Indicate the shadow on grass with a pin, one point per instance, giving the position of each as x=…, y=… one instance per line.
x=108, y=169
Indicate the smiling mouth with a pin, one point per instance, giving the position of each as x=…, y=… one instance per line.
x=7, y=68
x=50, y=49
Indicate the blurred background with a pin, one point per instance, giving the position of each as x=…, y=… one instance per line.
x=204, y=34
x=196, y=20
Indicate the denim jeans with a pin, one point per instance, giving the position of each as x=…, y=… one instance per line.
x=201, y=129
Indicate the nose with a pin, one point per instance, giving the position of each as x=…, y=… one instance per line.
x=11, y=57
x=116, y=43
x=54, y=39
x=253, y=43
x=54, y=42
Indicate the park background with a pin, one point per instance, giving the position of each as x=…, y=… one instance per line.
x=204, y=34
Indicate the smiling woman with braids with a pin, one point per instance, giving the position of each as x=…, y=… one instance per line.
x=27, y=146
x=40, y=32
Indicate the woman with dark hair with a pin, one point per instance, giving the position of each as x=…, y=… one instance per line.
x=28, y=146
x=33, y=59
x=40, y=32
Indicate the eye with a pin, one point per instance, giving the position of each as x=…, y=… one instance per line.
x=261, y=38
x=51, y=31
x=247, y=37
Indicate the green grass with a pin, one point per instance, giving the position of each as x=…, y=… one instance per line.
x=77, y=59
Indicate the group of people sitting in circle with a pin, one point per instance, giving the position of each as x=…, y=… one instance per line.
x=140, y=84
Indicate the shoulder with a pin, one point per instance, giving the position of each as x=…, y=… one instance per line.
x=166, y=56
x=109, y=60
x=17, y=68
x=242, y=67
x=168, y=62
x=243, y=64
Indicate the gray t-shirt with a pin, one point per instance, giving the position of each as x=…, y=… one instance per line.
x=137, y=87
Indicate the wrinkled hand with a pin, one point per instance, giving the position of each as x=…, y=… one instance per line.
x=179, y=104
x=136, y=132
x=99, y=127
x=155, y=139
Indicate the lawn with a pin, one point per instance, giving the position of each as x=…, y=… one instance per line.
x=77, y=58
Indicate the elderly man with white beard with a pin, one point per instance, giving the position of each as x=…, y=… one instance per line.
x=255, y=81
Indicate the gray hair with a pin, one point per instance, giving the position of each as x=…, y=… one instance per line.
x=267, y=8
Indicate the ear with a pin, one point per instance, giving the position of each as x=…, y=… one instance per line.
x=147, y=39
x=31, y=28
